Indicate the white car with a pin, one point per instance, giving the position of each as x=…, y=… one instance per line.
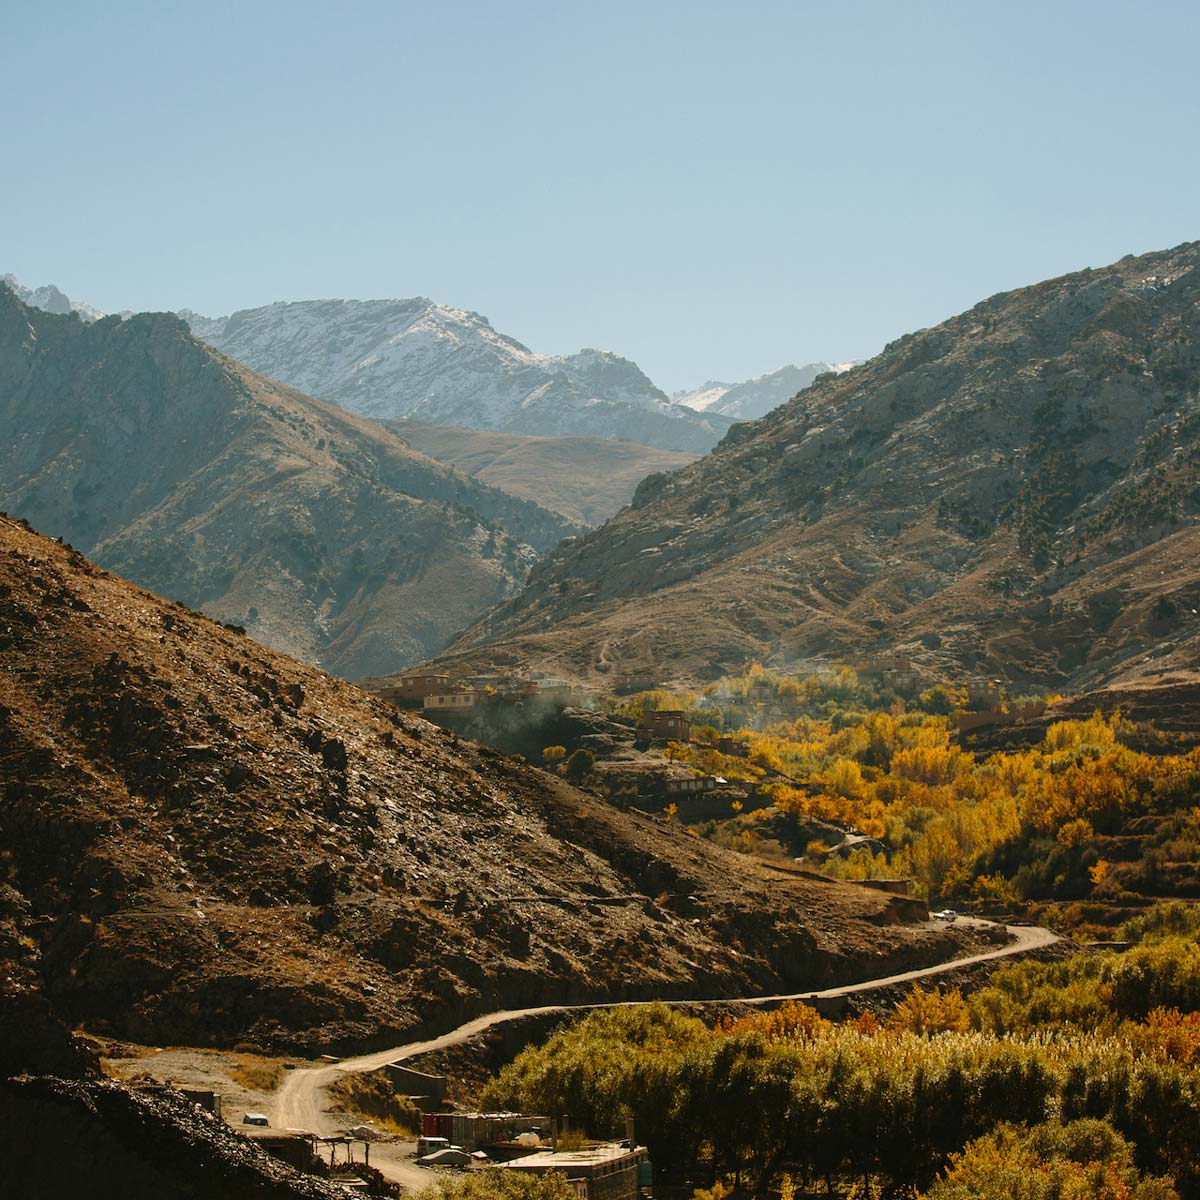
x=945, y=914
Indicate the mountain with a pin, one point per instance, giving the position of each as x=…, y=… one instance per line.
x=50, y=299
x=445, y=366
x=756, y=397
x=1015, y=491
x=701, y=398
x=585, y=480
x=206, y=842
x=322, y=533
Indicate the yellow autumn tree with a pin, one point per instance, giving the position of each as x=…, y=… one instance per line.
x=927, y=1013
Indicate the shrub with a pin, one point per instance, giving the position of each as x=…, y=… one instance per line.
x=1082, y=1160
x=494, y=1184
x=580, y=764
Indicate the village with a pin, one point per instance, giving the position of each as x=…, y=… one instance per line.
x=637, y=761
x=642, y=760
x=361, y=1158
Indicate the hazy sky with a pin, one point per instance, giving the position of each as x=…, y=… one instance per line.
x=710, y=189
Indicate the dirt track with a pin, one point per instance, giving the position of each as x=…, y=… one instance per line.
x=300, y=1102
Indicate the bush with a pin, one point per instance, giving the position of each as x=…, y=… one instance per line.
x=1083, y=1160
x=580, y=764
x=493, y=1184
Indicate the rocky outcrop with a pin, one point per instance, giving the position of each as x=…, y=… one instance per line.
x=1015, y=492
x=320, y=533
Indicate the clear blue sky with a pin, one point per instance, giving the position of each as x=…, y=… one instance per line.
x=711, y=189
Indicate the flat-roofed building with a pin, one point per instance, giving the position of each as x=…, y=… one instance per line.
x=606, y=1172
x=669, y=723
x=409, y=691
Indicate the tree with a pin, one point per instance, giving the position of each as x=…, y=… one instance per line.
x=580, y=764
x=937, y=701
x=1082, y=1160
x=676, y=752
x=931, y=1012
x=554, y=754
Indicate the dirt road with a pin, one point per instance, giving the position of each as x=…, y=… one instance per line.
x=300, y=1102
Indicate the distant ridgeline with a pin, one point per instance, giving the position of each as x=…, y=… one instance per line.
x=320, y=533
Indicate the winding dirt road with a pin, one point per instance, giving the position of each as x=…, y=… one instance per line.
x=300, y=1102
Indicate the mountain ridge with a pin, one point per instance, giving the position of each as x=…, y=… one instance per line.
x=50, y=299
x=388, y=359
x=1012, y=492
x=323, y=533
x=754, y=398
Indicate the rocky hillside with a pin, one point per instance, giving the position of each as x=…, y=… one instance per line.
x=585, y=480
x=68, y=1138
x=756, y=397
x=322, y=533
x=445, y=366
x=207, y=842
x=1015, y=491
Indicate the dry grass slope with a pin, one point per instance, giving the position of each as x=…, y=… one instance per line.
x=587, y=480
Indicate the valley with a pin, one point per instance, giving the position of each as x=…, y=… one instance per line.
x=585, y=480
x=266, y=854
x=780, y=707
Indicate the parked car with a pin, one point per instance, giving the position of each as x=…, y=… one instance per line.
x=945, y=914
x=255, y=1119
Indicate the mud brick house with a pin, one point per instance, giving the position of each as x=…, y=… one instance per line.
x=669, y=724
x=410, y=691
x=560, y=693
x=985, y=695
x=901, y=678
x=453, y=701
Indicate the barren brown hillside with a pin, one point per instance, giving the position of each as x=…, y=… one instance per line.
x=1015, y=491
x=206, y=842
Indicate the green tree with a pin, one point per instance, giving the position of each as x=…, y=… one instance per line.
x=580, y=764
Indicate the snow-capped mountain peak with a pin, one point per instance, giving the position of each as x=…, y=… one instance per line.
x=51, y=299
x=449, y=366
x=756, y=397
